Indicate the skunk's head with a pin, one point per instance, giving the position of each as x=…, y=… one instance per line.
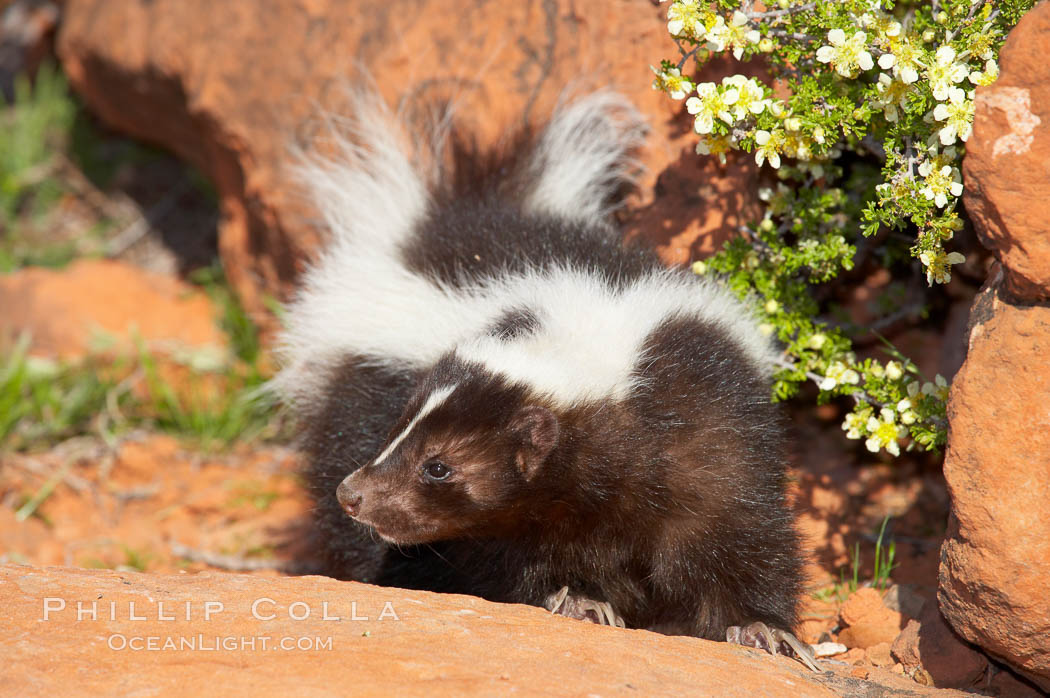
x=463, y=459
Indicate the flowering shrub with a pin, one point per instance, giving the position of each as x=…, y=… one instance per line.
x=870, y=81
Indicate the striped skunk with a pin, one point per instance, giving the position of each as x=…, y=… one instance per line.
x=501, y=398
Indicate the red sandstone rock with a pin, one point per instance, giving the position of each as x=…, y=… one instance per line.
x=438, y=645
x=1007, y=685
x=995, y=562
x=879, y=655
x=929, y=643
x=227, y=86
x=1007, y=165
x=68, y=311
x=996, y=559
x=868, y=621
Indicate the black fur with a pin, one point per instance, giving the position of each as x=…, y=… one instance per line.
x=472, y=239
x=343, y=433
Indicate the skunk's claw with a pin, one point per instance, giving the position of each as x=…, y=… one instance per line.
x=772, y=640
x=580, y=607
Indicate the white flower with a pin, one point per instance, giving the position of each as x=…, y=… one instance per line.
x=714, y=145
x=957, y=113
x=893, y=94
x=939, y=267
x=940, y=181
x=716, y=35
x=700, y=106
x=672, y=82
x=846, y=56
x=769, y=146
x=945, y=72
x=683, y=19
x=772, y=306
x=735, y=35
x=904, y=58
x=817, y=341
x=749, y=97
x=699, y=267
x=894, y=371
x=988, y=76
x=939, y=388
x=854, y=423
x=884, y=432
x=908, y=416
x=839, y=373
x=709, y=103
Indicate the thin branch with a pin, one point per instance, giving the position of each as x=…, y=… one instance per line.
x=977, y=4
x=144, y=222
x=785, y=34
x=909, y=151
x=686, y=56
x=780, y=13
x=756, y=242
x=34, y=466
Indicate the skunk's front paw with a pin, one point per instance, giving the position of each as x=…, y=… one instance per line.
x=580, y=607
x=772, y=640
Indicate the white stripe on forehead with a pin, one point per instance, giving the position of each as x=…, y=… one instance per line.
x=436, y=398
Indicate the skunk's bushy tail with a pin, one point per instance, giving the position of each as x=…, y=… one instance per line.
x=374, y=184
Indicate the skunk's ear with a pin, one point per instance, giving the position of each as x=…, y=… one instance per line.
x=538, y=431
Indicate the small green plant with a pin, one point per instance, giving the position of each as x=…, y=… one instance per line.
x=884, y=559
x=214, y=403
x=44, y=401
x=29, y=505
x=827, y=594
x=884, y=564
x=211, y=415
x=31, y=131
x=866, y=149
x=137, y=560
x=854, y=582
x=235, y=322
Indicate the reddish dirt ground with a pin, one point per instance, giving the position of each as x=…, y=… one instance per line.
x=136, y=505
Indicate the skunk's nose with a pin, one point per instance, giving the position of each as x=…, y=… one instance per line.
x=348, y=498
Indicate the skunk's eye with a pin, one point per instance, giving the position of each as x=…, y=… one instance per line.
x=436, y=471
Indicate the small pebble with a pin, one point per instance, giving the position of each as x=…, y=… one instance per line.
x=828, y=649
